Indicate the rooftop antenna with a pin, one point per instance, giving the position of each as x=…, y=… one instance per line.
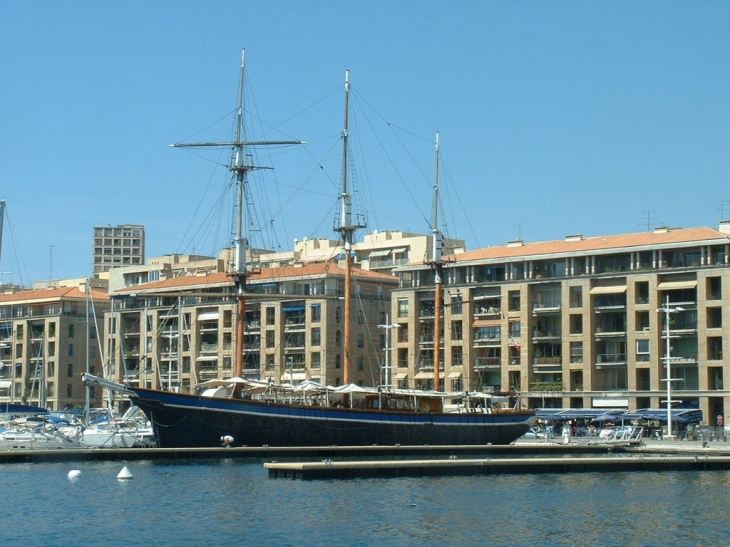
x=50, y=262
x=648, y=220
x=722, y=207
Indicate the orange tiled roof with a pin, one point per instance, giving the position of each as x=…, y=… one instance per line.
x=51, y=294
x=670, y=237
x=266, y=274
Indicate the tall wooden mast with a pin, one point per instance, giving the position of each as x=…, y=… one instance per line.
x=437, y=275
x=240, y=169
x=346, y=230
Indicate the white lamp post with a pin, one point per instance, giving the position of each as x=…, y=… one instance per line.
x=387, y=327
x=666, y=310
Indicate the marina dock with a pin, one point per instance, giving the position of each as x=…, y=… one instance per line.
x=418, y=468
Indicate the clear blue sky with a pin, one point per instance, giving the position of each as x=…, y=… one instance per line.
x=555, y=118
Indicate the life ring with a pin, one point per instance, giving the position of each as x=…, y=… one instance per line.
x=719, y=420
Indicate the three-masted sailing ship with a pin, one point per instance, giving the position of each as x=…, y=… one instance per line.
x=410, y=417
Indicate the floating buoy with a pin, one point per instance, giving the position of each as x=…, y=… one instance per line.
x=74, y=474
x=125, y=474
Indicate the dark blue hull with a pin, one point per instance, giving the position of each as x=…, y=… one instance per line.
x=184, y=421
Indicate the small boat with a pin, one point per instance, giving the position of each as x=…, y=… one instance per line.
x=27, y=437
x=381, y=417
x=127, y=432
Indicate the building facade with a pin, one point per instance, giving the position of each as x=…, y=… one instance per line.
x=115, y=246
x=576, y=323
x=43, y=345
x=179, y=332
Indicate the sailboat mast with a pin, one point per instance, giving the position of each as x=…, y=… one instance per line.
x=437, y=274
x=240, y=169
x=239, y=274
x=346, y=230
x=3, y=203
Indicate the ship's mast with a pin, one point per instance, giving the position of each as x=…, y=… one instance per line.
x=346, y=230
x=3, y=203
x=437, y=275
x=240, y=170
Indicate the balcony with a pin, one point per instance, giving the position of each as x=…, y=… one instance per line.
x=486, y=363
x=618, y=359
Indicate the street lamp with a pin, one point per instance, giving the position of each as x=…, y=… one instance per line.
x=387, y=326
x=666, y=310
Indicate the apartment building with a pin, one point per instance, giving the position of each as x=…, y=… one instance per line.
x=380, y=251
x=177, y=333
x=579, y=322
x=116, y=246
x=43, y=345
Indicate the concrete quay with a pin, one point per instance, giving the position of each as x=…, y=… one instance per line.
x=292, y=453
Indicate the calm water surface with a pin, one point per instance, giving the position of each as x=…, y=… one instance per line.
x=229, y=502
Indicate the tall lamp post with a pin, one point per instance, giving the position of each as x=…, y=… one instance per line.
x=667, y=311
x=387, y=326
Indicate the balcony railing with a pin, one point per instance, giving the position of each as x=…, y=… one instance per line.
x=481, y=363
x=611, y=358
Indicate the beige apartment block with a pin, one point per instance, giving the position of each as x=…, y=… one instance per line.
x=116, y=246
x=577, y=322
x=179, y=332
x=48, y=339
x=380, y=251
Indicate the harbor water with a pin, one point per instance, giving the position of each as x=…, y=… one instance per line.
x=231, y=502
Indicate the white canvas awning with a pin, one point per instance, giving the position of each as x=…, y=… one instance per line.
x=5, y=384
x=608, y=289
x=676, y=285
x=208, y=316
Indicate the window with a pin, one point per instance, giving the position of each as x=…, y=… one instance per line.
x=361, y=363
x=316, y=336
x=316, y=359
x=403, y=307
x=642, y=320
x=70, y=370
x=70, y=331
x=643, y=350
x=714, y=348
x=338, y=338
x=576, y=352
x=360, y=316
x=338, y=361
x=69, y=391
x=714, y=318
x=457, y=356
x=457, y=330
x=360, y=340
x=514, y=301
x=316, y=313
x=576, y=297
x=270, y=338
x=70, y=350
x=270, y=315
x=456, y=304
x=714, y=288
x=515, y=328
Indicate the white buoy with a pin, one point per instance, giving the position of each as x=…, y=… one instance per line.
x=74, y=474
x=125, y=474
